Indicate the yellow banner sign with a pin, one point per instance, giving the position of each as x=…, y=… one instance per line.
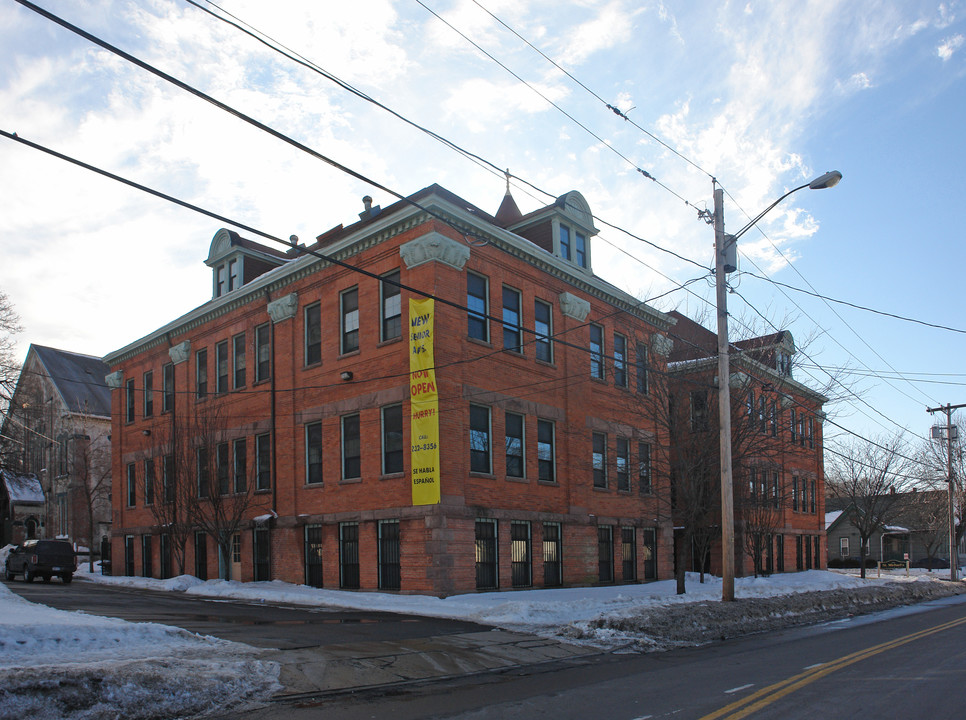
x=424, y=405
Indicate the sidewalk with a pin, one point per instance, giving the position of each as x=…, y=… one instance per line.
x=355, y=666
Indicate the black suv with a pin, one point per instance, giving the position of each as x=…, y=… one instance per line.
x=42, y=558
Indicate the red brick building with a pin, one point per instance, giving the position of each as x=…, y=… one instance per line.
x=303, y=356
x=777, y=445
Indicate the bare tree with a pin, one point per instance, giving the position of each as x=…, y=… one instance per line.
x=759, y=504
x=927, y=513
x=933, y=471
x=10, y=447
x=92, y=470
x=868, y=476
x=225, y=481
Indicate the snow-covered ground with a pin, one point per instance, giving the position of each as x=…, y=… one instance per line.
x=53, y=662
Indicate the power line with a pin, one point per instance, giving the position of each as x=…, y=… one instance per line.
x=606, y=104
x=854, y=305
x=543, y=96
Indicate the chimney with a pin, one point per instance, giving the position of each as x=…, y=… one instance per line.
x=370, y=211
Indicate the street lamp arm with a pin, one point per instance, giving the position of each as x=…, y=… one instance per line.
x=829, y=179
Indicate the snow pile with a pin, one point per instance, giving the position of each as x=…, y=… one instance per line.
x=64, y=665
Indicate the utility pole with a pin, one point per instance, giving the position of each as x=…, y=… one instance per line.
x=724, y=403
x=952, y=433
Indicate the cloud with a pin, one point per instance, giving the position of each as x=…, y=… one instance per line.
x=949, y=46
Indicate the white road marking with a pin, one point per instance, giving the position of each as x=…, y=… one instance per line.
x=739, y=689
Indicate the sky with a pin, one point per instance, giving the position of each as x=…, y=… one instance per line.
x=761, y=96
x=182, y=673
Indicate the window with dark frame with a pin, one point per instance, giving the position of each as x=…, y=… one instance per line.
x=164, y=551
x=261, y=554
x=605, y=553
x=649, y=557
x=313, y=453
x=566, y=251
x=221, y=367
x=543, y=331
x=129, y=400
x=580, y=249
x=699, y=411
x=643, y=368
x=167, y=387
x=629, y=554
x=148, y=380
x=486, y=555
x=238, y=361
x=392, y=439
x=349, y=555
x=520, y=570
x=391, y=307
x=552, y=557
x=263, y=461
x=477, y=302
x=201, y=374
x=620, y=360
x=351, y=448
x=390, y=568
x=515, y=460
x=600, y=460
x=167, y=478
x=131, y=484
x=203, y=472
x=201, y=556
x=240, y=465
x=263, y=352
x=546, y=460
x=149, y=481
x=644, y=468
x=349, y=310
x=129, y=555
x=623, y=464
x=313, y=334
x=313, y=555
x=480, y=460
x=146, y=570
x=512, y=324
x=223, y=468
x=596, y=351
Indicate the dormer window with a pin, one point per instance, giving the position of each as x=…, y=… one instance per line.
x=235, y=261
x=573, y=246
x=783, y=363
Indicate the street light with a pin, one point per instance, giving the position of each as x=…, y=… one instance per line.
x=725, y=261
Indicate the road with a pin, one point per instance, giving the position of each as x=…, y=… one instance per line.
x=901, y=664
x=263, y=626
x=905, y=666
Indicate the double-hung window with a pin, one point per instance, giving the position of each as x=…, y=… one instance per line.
x=263, y=461
x=391, y=320
x=392, y=440
x=240, y=478
x=201, y=374
x=313, y=334
x=167, y=387
x=203, y=472
x=480, y=439
x=623, y=464
x=515, y=460
x=221, y=367
x=642, y=368
x=238, y=361
x=131, y=484
x=263, y=352
x=644, y=467
x=313, y=453
x=545, y=451
x=148, y=394
x=129, y=400
x=349, y=302
x=476, y=301
x=566, y=249
x=223, y=468
x=580, y=249
x=599, y=460
x=543, y=330
x=351, y=448
x=512, y=331
x=620, y=360
x=597, y=352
